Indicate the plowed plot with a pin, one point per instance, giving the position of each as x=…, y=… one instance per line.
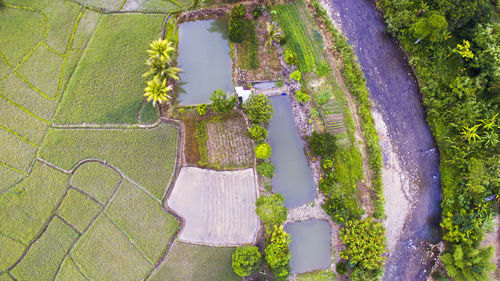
x=228, y=144
x=218, y=207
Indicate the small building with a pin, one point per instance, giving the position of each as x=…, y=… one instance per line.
x=243, y=93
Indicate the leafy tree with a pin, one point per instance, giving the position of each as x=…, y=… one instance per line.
x=266, y=169
x=342, y=209
x=302, y=96
x=278, y=253
x=157, y=91
x=245, y=259
x=365, y=243
x=290, y=56
x=238, y=11
x=274, y=34
x=202, y=109
x=257, y=11
x=237, y=30
x=341, y=268
x=323, y=145
x=434, y=27
x=460, y=13
x=464, y=227
x=258, y=108
x=271, y=210
x=221, y=103
x=263, y=151
x=257, y=133
x=464, y=263
x=296, y=75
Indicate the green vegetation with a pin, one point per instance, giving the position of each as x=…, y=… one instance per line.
x=323, y=145
x=302, y=96
x=274, y=33
x=271, y=210
x=278, y=253
x=194, y=262
x=249, y=49
x=296, y=75
x=158, y=91
x=319, y=275
x=85, y=28
x=69, y=271
x=257, y=133
x=460, y=85
x=290, y=56
x=29, y=128
x=341, y=268
x=201, y=135
x=18, y=154
x=77, y=209
x=222, y=102
x=96, y=180
x=263, y=151
x=258, y=109
x=266, y=169
x=238, y=30
x=106, y=86
x=201, y=109
x=245, y=260
x=66, y=147
x=467, y=263
x=238, y=11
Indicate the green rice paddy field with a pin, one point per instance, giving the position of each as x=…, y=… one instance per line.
x=84, y=162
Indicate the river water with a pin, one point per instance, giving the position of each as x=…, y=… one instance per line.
x=411, y=159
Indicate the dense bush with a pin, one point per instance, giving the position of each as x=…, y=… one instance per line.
x=361, y=274
x=257, y=11
x=258, y=108
x=237, y=30
x=202, y=109
x=302, y=96
x=266, y=169
x=323, y=145
x=263, y=151
x=468, y=264
x=290, y=56
x=221, y=102
x=238, y=11
x=271, y=210
x=296, y=75
x=278, y=253
x=245, y=260
x=341, y=268
x=365, y=243
x=257, y=133
x=342, y=209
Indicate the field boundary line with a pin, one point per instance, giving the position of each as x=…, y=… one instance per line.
x=86, y=195
x=69, y=224
x=19, y=136
x=13, y=168
x=78, y=267
x=52, y=49
x=105, y=126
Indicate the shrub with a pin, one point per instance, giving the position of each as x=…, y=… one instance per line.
x=464, y=263
x=361, y=274
x=258, y=108
x=245, y=259
x=323, y=144
x=238, y=11
x=278, y=253
x=365, y=243
x=221, y=103
x=237, y=30
x=302, y=96
x=341, y=268
x=323, y=68
x=257, y=132
x=263, y=151
x=290, y=56
x=271, y=210
x=327, y=165
x=342, y=209
x=202, y=109
x=296, y=75
x=266, y=169
x=257, y=11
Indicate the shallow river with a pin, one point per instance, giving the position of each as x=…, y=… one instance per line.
x=411, y=173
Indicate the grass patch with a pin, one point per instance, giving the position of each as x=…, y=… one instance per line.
x=96, y=179
x=202, y=138
x=163, y=5
x=11, y=251
x=107, y=86
x=69, y=271
x=147, y=156
x=297, y=25
x=104, y=4
x=194, y=262
x=321, y=275
x=143, y=219
x=26, y=208
x=85, y=28
x=21, y=31
x=149, y=114
x=9, y=178
x=50, y=249
x=249, y=49
x=4, y=68
x=19, y=93
x=42, y=70
x=77, y=209
x=18, y=154
x=5, y=277
x=104, y=253
x=70, y=63
x=15, y=119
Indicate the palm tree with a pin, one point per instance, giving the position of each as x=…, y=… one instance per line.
x=160, y=66
x=161, y=48
x=274, y=33
x=157, y=90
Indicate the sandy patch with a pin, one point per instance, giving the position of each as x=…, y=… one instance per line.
x=218, y=206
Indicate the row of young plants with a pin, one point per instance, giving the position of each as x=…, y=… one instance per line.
x=455, y=51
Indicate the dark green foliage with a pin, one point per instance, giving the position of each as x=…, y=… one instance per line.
x=238, y=11
x=258, y=109
x=266, y=169
x=342, y=209
x=257, y=11
x=237, y=30
x=341, y=268
x=257, y=133
x=290, y=56
x=323, y=145
x=245, y=260
x=278, y=253
x=468, y=264
x=202, y=109
x=221, y=102
x=432, y=27
x=361, y=274
x=271, y=210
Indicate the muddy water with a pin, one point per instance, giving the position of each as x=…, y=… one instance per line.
x=307, y=249
x=204, y=59
x=292, y=175
x=411, y=173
